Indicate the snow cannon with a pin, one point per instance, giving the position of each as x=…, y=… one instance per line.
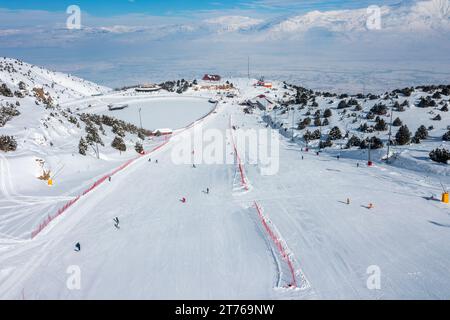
x=445, y=197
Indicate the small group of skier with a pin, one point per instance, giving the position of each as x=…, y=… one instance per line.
x=116, y=225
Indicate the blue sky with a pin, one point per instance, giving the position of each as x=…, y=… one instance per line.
x=176, y=7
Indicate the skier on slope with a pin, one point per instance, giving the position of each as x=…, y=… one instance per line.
x=77, y=247
x=116, y=222
x=183, y=200
x=207, y=190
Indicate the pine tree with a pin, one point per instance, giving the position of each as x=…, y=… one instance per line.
x=421, y=133
x=335, y=134
x=82, y=146
x=8, y=143
x=141, y=135
x=92, y=134
x=370, y=116
x=326, y=144
x=440, y=155
x=118, y=130
x=375, y=143
x=397, y=122
x=379, y=109
x=403, y=135
x=327, y=113
x=446, y=136
x=380, y=125
x=342, y=105
x=437, y=118
x=139, y=148
x=354, y=141
x=119, y=144
x=358, y=108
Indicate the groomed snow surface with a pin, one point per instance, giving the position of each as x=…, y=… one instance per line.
x=214, y=246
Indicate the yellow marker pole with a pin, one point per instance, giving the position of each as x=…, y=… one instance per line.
x=445, y=197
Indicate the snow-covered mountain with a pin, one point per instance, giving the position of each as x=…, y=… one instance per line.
x=420, y=16
x=233, y=23
x=21, y=77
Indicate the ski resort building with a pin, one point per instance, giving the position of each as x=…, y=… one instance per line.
x=211, y=77
x=265, y=84
x=262, y=103
x=112, y=107
x=148, y=88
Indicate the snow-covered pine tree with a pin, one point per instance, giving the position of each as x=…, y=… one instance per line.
x=421, y=133
x=82, y=146
x=138, y=147
x=403, y=135
x=8, y=143
x=380, y=124
x=397, y=122
x=119, y=144
x=446, y=136
x=440, y=155
x=335, y=133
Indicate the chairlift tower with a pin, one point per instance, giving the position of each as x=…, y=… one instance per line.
x=293, y=123
x=140, y=117
x=390, y=131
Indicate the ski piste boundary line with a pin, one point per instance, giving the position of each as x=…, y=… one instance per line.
x=44, y=224
x=298, y=279
x=274, y=236
x=244, y=181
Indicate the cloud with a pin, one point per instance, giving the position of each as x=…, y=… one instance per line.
x=142, y=47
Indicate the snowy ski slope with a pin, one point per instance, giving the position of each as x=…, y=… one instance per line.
x=213, y=247
x=220, y=245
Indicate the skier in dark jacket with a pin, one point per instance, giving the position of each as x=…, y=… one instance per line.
x=78, y=247
x=116, y=222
